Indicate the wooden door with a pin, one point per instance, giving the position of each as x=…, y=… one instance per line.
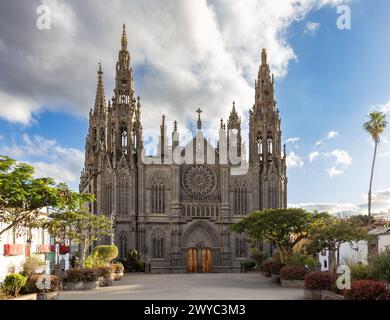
x=206, y=260
x=192, y=260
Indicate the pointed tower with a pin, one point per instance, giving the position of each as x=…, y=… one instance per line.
x=123, y=92
x=265, y=150
x=234, y=127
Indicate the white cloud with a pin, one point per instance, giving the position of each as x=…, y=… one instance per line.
x=329, y=136
x=314, y=155
x=385, y=108
x=185, y=54
x=48, y=158
x=312, y=27
x=294, y=160
x=342, y=157
x=292, y=140
x=334, y=208
x=333, y=172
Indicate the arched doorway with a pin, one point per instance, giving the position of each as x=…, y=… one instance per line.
x=199, y=249
x=199, y=259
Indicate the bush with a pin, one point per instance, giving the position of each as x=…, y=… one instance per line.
x=384, y=296
x=365, y=290
x=302, y=260
x=360, y=272
x=105, y=272
x=13, y=283
x=248, y=265
x=380, y=266
x=104, y=254
x=259, y=257
x=118, y=267
x=272, y=266
x=293, y=273
x=320, y=280
x=31, y=265
x=76, y=275
x=31, y=284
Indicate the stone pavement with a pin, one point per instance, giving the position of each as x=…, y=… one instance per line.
x=202, y=286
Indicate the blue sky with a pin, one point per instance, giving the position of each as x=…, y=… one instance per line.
x=327, y=80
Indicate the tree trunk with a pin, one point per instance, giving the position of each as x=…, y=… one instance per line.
x=370, y=187
x=332, y=260
x=83, y=249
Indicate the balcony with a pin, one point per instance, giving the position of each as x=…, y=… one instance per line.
x=13, y=249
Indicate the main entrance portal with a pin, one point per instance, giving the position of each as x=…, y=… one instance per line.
x=199, y=259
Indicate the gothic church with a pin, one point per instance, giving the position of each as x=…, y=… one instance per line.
x=177, y=214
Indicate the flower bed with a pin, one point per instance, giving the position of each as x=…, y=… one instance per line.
x=81, y=279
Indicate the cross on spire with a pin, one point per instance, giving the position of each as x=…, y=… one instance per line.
x=199, y=111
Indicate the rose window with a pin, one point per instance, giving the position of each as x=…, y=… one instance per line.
x=199, y=180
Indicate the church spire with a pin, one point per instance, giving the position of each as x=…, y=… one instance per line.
x=100, y=100
x=199, y=123
x=124, y=92
x=264, y=91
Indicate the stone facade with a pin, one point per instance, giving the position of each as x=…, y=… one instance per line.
x=177, y=213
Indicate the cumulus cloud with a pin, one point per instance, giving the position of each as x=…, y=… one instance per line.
x=294, y=160
x=342, y=160
x=48, y=158
x=185, y=54
x=312, y=27
x=385, y=107
x=333, y=172
x=334, y=208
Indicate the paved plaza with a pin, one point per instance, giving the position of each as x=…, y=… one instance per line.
x=224, y=286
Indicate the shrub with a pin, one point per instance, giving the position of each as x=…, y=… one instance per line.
x=293, y=273
x=380, y=266
x=298, y=259
x=365, y=290
x=384, y=296
x=105, y=272
x=31, y=284
x=75, y=275
x=259, y=257
x=13, y=283
x=320, y=280
x=248, y=265
x=118, y=267
x=360, y=272
x=31, y=265
x=104, y=254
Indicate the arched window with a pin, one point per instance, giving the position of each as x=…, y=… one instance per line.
x=157, y=193
x=260, y=147
x=102, y=136
x=124, y=136
x=158, y=244
x=113, y=135
x=270, y=145
x=240, y=197
x=123, y=194
x=241, y=247
x=272, y=193
x=122, y=245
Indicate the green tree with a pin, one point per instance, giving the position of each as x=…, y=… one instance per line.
x=375, y=127
x=22, y=196
x=283, y=227
x=72, y=220
x=329, y=232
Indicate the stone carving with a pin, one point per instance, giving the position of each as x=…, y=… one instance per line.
x=199, y=180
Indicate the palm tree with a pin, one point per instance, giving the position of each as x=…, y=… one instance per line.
x=374, y=126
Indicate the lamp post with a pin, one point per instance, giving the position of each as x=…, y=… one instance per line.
x=113, y=225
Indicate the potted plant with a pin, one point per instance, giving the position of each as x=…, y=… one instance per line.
x=118, y=271
x=293, y=276
x=46, y=287
x=81, y=279
x=105, y=275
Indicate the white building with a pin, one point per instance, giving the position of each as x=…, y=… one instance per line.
x=358, y=252
x=14, y=249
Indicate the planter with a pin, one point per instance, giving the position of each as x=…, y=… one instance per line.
x=106, y=282
x=117, y=276
x=312, y=294
x=328, y=295
x=80, y=285
x=275, y=278
x=47, y=295
x=298, y=284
